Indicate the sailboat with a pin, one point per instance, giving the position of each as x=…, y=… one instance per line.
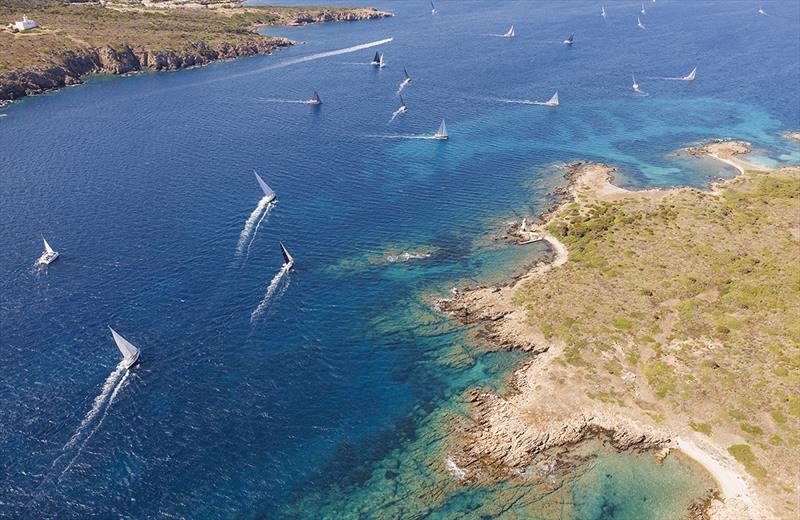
x=636, y=85
x=315, y=100
x=570, y=40
x=603, y=11
x=691, y=75
x=408, y=78
x=130, y=352
x=381, y=63
x=441, y=133
x=433, y=9
x=403, y=107
x=509, y=33
x=265, y=187
x=762, y=12
x=639, y=23
x=48, y=255
x=377, y=59
x=642, y=11
x=288, y=260
x=553, y=101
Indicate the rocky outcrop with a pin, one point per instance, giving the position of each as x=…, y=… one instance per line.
x=331, y=15
x=69, y=67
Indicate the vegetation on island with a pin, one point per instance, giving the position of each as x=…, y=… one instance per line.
x=686, y=304
x=154, y=27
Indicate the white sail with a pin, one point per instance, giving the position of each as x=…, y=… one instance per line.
x=639, y=23
x=288, y=259
x=129, y=351
x=381, y=63
x=691, y=75
x=553, y=101
x=441, y=133
x=265, y=187
x=603, y=11
x=509, y=33
x=49, y=250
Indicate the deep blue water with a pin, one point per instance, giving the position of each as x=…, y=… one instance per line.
x=144, y=184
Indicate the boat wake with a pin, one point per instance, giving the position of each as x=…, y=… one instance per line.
x=520, y=101
x=271, y=288
x=327, y=54
x=90, y=423
x=402, y=86
x=262, y=209
x=290, y=101
x=264, y=216
x=401, y=136
x=396, y=113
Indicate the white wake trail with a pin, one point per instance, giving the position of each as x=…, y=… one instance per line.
x=401, y=136
x=520, y=101
x=290, y=101
x=111, y=399
x=265, y=215
x=395, y=114
x=327, y=54
x=248, y=225
x=273, y=285
x=402, y=86
x=108, y=387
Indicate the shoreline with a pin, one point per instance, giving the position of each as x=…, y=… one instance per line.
x=71, y=66
x=507, y=431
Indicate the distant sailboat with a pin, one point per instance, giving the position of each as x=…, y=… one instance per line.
x=762, y=12
x=636, y=85
x=315, y=100
x=381, y=62
x=130, y=352
x=553, y=101
x=403, y=107
x=441, y=133
x=48, y=255
x=268, y=193
x=288, y=260
x=639, y=23
x=377, y=59
x=691, y=75
x=408, y=78
x=433, y=9
x=642, y=10
x=603, y=11
x=509, y=33
x=570, y=40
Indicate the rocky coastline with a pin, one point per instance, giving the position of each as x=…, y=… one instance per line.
x=70, y=66
x=503, y=434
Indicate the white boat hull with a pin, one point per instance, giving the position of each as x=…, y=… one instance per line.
x=132, y=361
x=47, y=259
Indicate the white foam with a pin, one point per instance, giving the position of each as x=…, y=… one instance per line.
x=248, y=225
x=273, y=285
x=108, y=387
x=402, y=86
x=337, y=52
x=255, y=232
x=454, y=470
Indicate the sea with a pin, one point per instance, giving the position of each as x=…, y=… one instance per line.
x=328, y=390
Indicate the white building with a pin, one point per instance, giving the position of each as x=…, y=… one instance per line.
x=25, y=24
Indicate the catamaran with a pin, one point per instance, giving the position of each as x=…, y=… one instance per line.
x=315, y=100
x=265, y=187
x=553, y=101
x=509, y=33
x=570, y=40
x=603, y=11
x=433, y=9
x=48, y=255
x=130, y=352
x=287, y=258
x=639, y=23
x=691, y=75
x=441, y=133
x=377, y=59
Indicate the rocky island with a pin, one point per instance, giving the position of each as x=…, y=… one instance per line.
x=76, y=39
x=667, y=320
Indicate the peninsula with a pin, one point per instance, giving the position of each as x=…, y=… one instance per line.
x=667, y=320
x=76, y=39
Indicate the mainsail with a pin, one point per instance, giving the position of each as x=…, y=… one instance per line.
x=691, y=75
x=129, y=351
x=510, y=33
x=377, y=59
x=265, y=187
x=49, y=250
x=553, y=102
x=381, y=63
x=288, y=260
x=441, y=133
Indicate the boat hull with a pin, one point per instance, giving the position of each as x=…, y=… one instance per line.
x=46, y=259
x=132, y=361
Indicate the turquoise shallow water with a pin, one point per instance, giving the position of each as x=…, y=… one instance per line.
x=144, y=185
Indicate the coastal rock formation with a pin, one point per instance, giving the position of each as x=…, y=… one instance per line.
x=69, y=67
